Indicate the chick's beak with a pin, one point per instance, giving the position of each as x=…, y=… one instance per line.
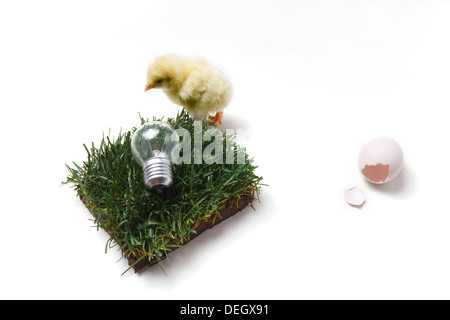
x=148, y=87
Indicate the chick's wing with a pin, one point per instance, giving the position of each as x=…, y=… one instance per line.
x=193, y=87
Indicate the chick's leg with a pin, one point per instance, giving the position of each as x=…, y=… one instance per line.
x=216, y=118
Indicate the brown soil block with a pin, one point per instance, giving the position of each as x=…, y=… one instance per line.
x=230, y=210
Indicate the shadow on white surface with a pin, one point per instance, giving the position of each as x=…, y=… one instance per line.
x=402, y=186
x=182, y=262
x=231, y=121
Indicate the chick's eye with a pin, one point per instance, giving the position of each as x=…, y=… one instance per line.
x=158, y=81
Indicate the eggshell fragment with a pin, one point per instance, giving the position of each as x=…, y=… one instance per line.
x=380, y=160
x=354, y=196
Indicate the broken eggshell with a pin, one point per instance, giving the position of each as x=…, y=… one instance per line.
x=380, y=160
x=354, y=196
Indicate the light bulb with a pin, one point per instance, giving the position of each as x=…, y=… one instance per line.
x=152, y=145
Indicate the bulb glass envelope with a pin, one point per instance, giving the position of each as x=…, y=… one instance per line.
x=153, y=139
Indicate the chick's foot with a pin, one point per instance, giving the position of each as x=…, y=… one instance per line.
x=216, y=118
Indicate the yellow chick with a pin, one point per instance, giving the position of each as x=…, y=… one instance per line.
x=192, y=83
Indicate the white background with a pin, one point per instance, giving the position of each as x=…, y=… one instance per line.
x=314, y=81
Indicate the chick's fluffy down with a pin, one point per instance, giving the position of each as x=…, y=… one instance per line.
x=192, y=83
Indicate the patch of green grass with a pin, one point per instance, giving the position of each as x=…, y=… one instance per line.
x=146, y=225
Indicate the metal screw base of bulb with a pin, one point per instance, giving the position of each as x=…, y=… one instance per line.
x=157, y=174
